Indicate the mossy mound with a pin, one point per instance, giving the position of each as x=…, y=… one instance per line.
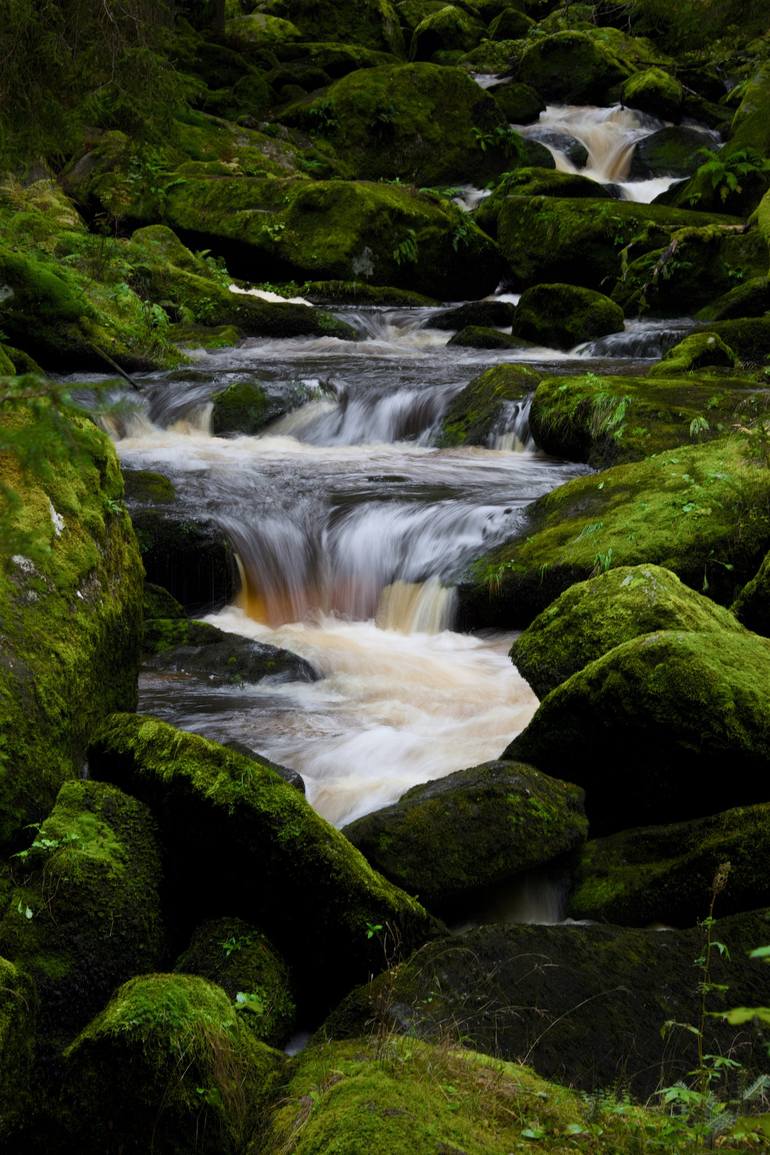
x=751, y=299
x=749, y=337
x=490, y=402
x=581, y=239
x=751, y=124
x=451, y=839
x=698, y=351
x=70, y=603
x=518, y=103
x=584, y=1005
x=480, y=337
x=702, y=511
x=243, y=407
x=654, y=91
x=752, y=606
x=368, y=23
x=404, y=1095
x=261, y=30
x=562, y=316
x=532, y=180
x=418, y=122
x=360, y=293
x=237, y=957
x=449, y=29
x=148, y=487
x=665, y=874
x=242, y=841
x=168, y=1065
x=592, y=617
x=673, y=708
x=201, y=651
x=486, y=314
x=18, y=1007
x=85, y=914
x=608, y=420
x=159, y=603
x=572, y=68
x=675, y=151
x=510, y=24
x=192, y=559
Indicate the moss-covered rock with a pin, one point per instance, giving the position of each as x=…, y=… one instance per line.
x=673, y=708
x=148, y=487
x=489, y=402
x=698, y=351
x=562, y=316
x=702, y=511
x=510, y=24
x=749, y=337
x=85, y=914
x=418, y=122
x=237, y=957
x=481, y=337
x=70, y=604
x=18, y=1007
x=675, y=151
x=666, y=873
x=261, y=30
x=201, y=651
x=751, y=299
x=159, y=603
x=360, y=293
x=582, y=240
x=487, y=314
x=518, y=103
x=192, y=559
x=571, y=67
x=243, y=407
x=654, y=91
x=751, y=123
x=752, y=606
x=449, y=840
x=370, y=23
x=608, y=420
x=584, y=1004
x=407, y=1095
x=244, y=842
x=450, y=29
x=592, y=617
x=168, y=1065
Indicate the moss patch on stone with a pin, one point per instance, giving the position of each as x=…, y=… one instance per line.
x=483, y=406
x=562, y=316
x=752, y=606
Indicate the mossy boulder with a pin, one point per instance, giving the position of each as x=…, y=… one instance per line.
x=571, y=67
x=360, y=293
x=487, y=406
x=665, y=874
x=702, y=511
x=243, y=407
x=202, y=651
x=241, y=841
x=451, y=839
x=751, y=299
x=18, y=1007
x=749, y=337
x=562, y=316
x=159, y=603
x=673, y=708
x=752, y=606
x=366, y=23
x=486, y=314
x=237, y=957
x=408, y=1095
x=581, y=240
x=654, y=91
x=608, y=420
x=148, y=487
x=675, y=151
x=697, y=351
x=44, y=309
x=421, y=123
x=751, y=123
x=450, y=29
x=592, y=617
x=193, y=560
x=481, y=337
x=510, y=24
x=261, y=30
x=581, y=1004
x=71, y=607
x=168, y=1065
x=518, y=103
x=85, y=914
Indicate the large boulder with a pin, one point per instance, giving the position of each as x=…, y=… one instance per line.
x=752, y=606
x=371, y=23
x=449, y=29
x=698, y=351
x=487, y=407
x=592, y=617
x=672, y=709
x=242, y=841
x=665, y=874
x=562, y=316
x=85, y=914
x=449, y=840
x=582, y=1004
x=571, y=68
x=654, y=91
x=518, y=103
x=701, y=511
x=200, y=650
x=751, y=299
x=18, y=1007
x=70, y=604
x=675, y=151
x=168, y=1066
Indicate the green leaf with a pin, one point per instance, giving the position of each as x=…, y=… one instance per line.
x=737, y=1016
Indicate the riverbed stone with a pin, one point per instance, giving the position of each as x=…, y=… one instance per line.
x=18, y=1013
x=591, y=618
x=654, y=91
x=168, y=1064
x=749, y=337
x=481, y=337
x=752, y=606
x=571, y=67
x=486, y=406
x=561, y=316
x=200, y=650
x=665, y=874
x=449, y=840
x=448, y=29
x=519, y=103
x=485, y=314
x=697, y=351
x=581, y=1004
x=192, y=558
x=241, y=841
x=699, y=510
x=676, y=151
x=673, y=707
x=751, y=299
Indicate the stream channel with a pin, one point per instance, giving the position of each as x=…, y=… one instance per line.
x=351, y=528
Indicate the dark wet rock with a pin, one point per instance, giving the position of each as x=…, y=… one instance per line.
x=203, y=651
x=561, y=316
x=484, y=313
x=193, y=559
x=675, y=151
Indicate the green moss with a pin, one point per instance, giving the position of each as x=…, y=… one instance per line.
x=18, y=1006
x=695, y=352
x=86, y=912
x=70, y=602
x=450, y=839
x=480, y=337
x=751, y=299
x=168, y=1064
x=162, y=634
x=675, y=151
x=571, y=67
x=239, y=958
x=665, y=873
x=518, y=103
x=448, y=29
x=474, y=414
x=148, y=487
x=243, y=407
x=752, y=606
x=261, y=30
x=751, y=123
x=227, y=820
x=749, y=337
x=591, y=618
x=654, y=91
x=367, y=23
x=673, y=708
x=360, y=293
x=562, y=316
x=7, y=367
x=702, y=511
x=159, y=603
